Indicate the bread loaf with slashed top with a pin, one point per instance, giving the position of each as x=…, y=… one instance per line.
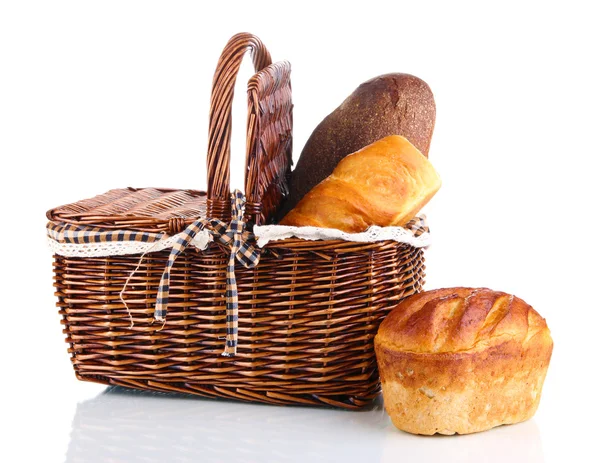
x=462, y=360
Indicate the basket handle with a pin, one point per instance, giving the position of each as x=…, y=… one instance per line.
x=218, y=202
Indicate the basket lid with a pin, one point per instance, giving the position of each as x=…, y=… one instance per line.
x=142, y=209
x=268, y=157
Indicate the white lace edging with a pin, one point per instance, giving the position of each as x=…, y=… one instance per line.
x=267, y=233
x=124, y=248
x=264, y=235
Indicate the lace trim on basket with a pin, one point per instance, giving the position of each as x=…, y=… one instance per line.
x=123, y=248
x=417, y=236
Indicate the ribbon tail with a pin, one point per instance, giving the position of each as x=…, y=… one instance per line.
x=162, y=298
x=231, y=313
x=234, y=232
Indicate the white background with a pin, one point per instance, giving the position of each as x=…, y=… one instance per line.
x=96, y=95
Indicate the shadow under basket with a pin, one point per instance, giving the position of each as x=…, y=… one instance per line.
x=308, y=312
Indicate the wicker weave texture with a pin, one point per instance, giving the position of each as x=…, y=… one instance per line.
x=269, y=141
x=269, y=131
x=306, y=329
x=143, y=209
x=308, y=312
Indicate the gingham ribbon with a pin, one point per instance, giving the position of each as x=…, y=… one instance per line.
x=418, y=226
x=233, y=235
x=238, y=240
x=78, y=234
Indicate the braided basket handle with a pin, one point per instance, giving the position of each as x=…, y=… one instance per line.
x=219, y=132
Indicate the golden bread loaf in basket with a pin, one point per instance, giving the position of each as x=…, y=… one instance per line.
x=390, y=104
x=386, y=183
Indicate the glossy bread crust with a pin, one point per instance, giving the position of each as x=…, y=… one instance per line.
x=385, y=184
x=462, y=360
x=391, y=104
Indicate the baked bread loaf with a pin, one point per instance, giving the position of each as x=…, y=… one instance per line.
x=385, y=183
x=391, y=104
x=462, y=360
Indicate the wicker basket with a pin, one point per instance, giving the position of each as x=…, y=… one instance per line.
x=308, y=312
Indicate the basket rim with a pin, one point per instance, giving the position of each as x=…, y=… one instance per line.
x=68, y=214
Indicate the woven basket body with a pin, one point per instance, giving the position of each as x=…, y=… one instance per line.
x=308, y=312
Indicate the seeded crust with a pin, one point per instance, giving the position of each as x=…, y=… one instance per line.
x=462, y=360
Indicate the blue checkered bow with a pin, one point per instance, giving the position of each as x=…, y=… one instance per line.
x=239, y=240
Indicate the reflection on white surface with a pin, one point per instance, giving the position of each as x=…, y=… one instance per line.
x=126, y=425
x=515, y=443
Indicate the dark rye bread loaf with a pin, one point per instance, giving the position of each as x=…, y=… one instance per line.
x=391, y=104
